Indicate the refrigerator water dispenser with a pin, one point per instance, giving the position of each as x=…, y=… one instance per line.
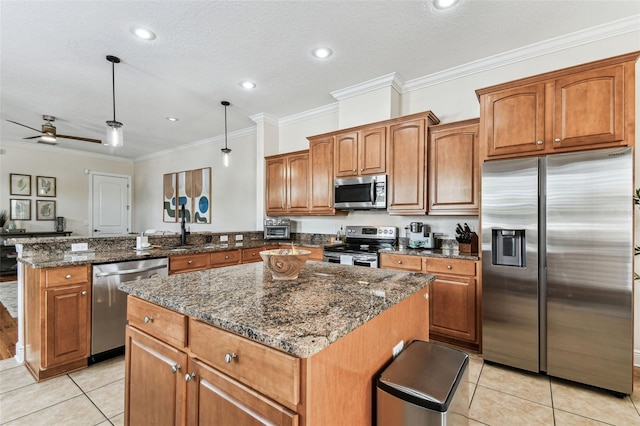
x=508, y=247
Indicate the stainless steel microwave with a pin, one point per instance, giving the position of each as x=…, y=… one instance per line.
x=360, y=193
x=277, y=229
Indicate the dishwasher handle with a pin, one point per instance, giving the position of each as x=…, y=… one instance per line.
x=129, y=271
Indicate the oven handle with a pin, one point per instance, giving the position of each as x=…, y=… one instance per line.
x=373, y=192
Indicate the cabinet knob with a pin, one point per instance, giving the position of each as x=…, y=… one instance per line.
x=556, y=140
x=426, y=296
x=190, y=262
x=68, y=276
x=188, y=377
x=226, y=257
x=175, y=368
x=229, y=357
x=83, y=292
x=353, y=170
x=362, y=170
x=539, y=142
x=399, y=262
x=449, y=266
x=147, y=320
x=253, y=254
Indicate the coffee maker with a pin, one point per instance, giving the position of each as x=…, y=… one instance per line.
x=416, y=234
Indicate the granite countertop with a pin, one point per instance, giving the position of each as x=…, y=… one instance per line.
x=300, y=317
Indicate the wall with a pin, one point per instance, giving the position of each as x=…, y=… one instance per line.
x=72, y=192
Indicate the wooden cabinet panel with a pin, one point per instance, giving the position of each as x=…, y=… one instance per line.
x=215, y=399
x=67, y=327
x=270, y=372
x=316, y=253
x=450, y=266
x=401, y=262
x=361, y=153
x=407, y=168
x=157, y=321
x=454, y=169
x=67, y=275
x=188, y=263
x=225, y=258
x=287, y=184
x=453, y=307
x=346, y=154
x=321, y=176
x=298, y=183
x=276, y=185
x=155, y=389
x=253, y=254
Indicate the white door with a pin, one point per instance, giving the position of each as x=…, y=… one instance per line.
x=110, y=199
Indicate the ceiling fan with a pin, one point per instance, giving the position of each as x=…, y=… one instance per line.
x=48, y=133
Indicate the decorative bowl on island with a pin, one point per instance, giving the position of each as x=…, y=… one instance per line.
x=284, y=264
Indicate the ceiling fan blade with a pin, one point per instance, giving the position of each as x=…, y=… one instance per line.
x=78, y=138
x=28, y=127
x=33, y=137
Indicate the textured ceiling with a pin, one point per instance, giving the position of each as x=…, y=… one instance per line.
x=53, y=62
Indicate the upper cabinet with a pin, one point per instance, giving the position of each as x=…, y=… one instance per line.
x=454, y=170
x=321, y=175
x=361, y=153
x=584, y=107
x=287, y=184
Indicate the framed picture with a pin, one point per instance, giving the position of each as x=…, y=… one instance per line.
x=19, y=184
x=45, y=210
x=20, y=209
x=170, y=198
x=45, y=186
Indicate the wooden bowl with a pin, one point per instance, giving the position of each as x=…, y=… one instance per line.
x=284, y=264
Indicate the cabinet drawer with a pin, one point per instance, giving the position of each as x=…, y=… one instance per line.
x=188, y=262
x=401, y=262
x=68, y=275
x=253, y=254
x=223, y=258
x=451, y=266
x=165, y=324
x=269, y=371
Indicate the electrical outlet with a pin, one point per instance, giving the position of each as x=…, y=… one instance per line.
x=224, y=238
x=79, y=247
x=397, y=348
x=239, y=237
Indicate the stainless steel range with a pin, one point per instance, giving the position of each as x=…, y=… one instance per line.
x=362, y=245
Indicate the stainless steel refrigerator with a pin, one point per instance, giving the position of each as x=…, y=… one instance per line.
x=557, y=266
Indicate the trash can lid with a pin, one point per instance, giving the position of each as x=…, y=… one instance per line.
x=425, y=374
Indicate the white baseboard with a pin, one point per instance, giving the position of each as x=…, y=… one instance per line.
x=636, y=357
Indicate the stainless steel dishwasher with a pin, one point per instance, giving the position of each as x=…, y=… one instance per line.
x=109, y=305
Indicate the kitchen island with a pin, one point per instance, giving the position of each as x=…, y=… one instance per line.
x=232, y=345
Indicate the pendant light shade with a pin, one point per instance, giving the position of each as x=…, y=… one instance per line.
x=226, y=152
x=114, y=127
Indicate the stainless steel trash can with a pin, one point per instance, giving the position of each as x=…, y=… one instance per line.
x=427, y=384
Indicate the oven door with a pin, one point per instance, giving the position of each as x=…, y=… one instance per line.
x=276, y=232
x=369, y=260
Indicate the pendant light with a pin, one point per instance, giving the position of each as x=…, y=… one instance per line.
x=226, y=152
x=114, y=128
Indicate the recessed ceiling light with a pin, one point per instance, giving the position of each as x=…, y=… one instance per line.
x=143, y=33
x=444, y=4
x=321, y=52
x=173, y=119
x=248, y=84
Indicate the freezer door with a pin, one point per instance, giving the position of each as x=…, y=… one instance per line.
x=589, y=268
x=510, y=263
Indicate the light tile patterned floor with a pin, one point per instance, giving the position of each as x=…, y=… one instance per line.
x=499, y=396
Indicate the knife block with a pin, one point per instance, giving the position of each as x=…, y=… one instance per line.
x=471, y=247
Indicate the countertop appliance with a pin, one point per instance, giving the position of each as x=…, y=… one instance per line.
x=109, y=305
x=557, y=259
x=361, y=245
x=277, y=229
x=360, y=193
x=420, y=237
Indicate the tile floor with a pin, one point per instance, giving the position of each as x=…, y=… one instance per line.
x=499, y=396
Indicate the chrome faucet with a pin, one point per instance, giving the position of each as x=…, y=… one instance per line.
x=183, y=229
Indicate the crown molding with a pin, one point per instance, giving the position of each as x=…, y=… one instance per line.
x=393, y=79
x=67, y=151
x=312, y=113
x=590, y=35
x=263, y=117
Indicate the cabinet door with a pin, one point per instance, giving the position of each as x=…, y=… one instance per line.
x=514, y=120
x=321, y=176
x=155, y=386
x=372, y=151
x=346, y=155
x=407, y=164
x=66, y=335
x=188, y=263
x=215, y=399
x=298, y=183
x=589, y=107
x=454, y=171
x=452, y=309
x=276, y=186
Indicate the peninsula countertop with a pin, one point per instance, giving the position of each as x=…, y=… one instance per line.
x=300, y=317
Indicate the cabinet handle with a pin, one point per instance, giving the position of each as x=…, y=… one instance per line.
x=83, y=292
x=449, y=266
x=229, y=357
x=253, y=254
x=188, y=377
x=68, y=276
x=226, y=257
x=362, y=170
x=399, y=262
x=556, y=140
x=426, y=296
x=175, y=368
x=190, y=262
x=147, y=320
x=353, y=170
x=539, y=142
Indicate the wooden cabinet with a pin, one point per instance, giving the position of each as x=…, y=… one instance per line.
x=583, y=107
x=321, y=176
x=287, y=184
x=361, y=153
x=454, y=169
x=454, y=296
x=188, y=263
x=253, y=254
x=57, y=320
x=225, y=258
